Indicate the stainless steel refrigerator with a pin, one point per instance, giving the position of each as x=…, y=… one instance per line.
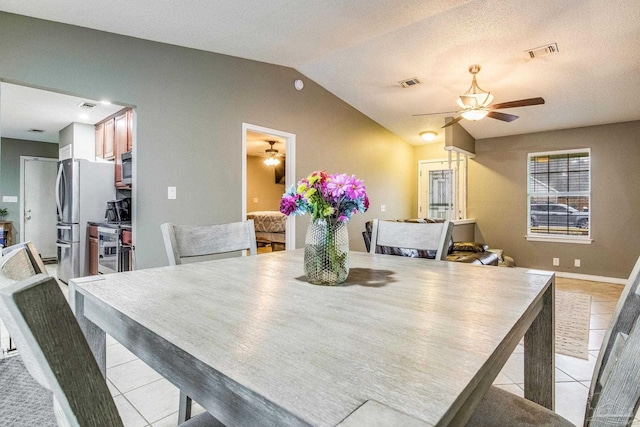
x=82, y=191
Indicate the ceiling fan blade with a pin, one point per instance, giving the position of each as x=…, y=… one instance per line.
x=456, y=120
x=436, y=114
x=502, y=116
x=518, y=103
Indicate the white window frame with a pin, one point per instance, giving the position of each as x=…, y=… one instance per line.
x=557, y=238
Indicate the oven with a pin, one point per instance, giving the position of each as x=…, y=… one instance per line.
x=113, y=255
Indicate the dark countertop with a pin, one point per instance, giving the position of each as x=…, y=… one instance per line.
x=121, y=225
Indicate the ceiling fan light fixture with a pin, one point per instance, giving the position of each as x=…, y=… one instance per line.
x=272, y=155
x=475, y=97
x=474, y=114
x=271, y=161
x=428, y=135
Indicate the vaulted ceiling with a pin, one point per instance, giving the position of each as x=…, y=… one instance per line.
x=359, y=50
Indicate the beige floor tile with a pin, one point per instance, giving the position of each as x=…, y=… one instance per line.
x=110, y=340
x=571, y=399
x=132, y=375
x=155, y=401
x=170, y=421
x=130, y=416
x=514, y=368
x=595, y=339
x=113, y=389
x=601, y=307
x=578, y=369
x=117, y=354
x=599, y=321
x=502, y=379
x=561, y=377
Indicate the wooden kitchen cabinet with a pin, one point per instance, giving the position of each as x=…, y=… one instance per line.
x=109, y=140
x=122, y=142
x=100, y=140
x=93, y=249
x=129, y=130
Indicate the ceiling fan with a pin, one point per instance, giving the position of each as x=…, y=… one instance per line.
x=476, y=104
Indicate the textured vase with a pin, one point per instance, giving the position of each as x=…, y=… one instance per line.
x=326, y=252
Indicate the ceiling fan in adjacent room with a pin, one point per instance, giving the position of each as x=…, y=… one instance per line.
x=476, y=104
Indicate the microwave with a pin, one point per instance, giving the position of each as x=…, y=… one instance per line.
x=127, y=167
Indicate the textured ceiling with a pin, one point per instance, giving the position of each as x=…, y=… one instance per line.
x=359, y=50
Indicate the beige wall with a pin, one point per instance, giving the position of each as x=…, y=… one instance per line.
x=498, y=198
x=261, y=184
x=190, y=106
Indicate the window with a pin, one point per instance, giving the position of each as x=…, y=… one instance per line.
x=559, y=196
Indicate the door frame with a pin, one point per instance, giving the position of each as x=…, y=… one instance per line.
x=290, y=173
x=23, y=159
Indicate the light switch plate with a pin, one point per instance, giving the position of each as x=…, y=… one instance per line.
x=171, y=193
x=9, y=199
x=383, y=208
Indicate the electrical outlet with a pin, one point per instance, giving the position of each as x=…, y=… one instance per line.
x=171, y=193
x=255, y=200
x=576, y=263
x=556, y=261
x=383, y=208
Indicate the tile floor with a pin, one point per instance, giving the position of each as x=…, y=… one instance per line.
x=144, y=398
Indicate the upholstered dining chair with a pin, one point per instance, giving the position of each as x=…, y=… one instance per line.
x=184, y=241
x=408, y=235
x=55, y=352
x=32, y=253
x=615, y=387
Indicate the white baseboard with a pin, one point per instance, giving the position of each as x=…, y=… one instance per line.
x=591, y=278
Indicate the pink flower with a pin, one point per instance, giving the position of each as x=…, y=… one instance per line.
x=337, y=185
x=355, y=188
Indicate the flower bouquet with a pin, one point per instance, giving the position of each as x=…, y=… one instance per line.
x=331, y=200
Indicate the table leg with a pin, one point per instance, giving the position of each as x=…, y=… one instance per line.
x=184, y=408
x=96, y=337
x=539, y=354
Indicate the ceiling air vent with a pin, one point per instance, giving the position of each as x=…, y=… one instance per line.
x=542, y=50
x=87, y=105
x=36, y=130
x=409, y=82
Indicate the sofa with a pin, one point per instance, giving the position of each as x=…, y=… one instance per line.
x=467, y=252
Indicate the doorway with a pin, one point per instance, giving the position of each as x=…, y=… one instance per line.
x=256, y=141
x=37, y=204
x=442, y=189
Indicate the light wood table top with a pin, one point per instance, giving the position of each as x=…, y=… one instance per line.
x=250, y=340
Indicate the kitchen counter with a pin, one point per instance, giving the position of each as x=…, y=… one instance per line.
x=120, y=225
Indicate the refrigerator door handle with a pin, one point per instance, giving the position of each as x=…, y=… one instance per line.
x=63, y=245
x=58, y=181
x=63, y=227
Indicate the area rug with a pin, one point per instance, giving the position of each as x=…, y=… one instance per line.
x=573, y=313
x=23, y=402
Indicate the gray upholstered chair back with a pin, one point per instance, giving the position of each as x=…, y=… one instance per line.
x=55, y=351
x=408, y=235
x=31, y=252
x=183, y=241
x=615, y=387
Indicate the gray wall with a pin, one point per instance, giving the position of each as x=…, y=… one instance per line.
x=190, y=107
x=497, y=198
x=12, y=149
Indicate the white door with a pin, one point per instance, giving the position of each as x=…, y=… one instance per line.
x=38, y=223
x=440, y=193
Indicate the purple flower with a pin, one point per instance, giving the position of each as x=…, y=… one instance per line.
x=288, y=204
x=355, y=188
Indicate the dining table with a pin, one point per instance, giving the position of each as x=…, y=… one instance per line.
x=403, y=341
